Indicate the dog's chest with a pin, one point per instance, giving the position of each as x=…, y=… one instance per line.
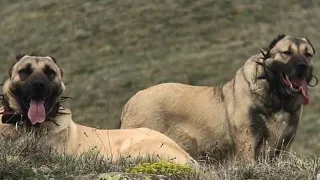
x=280, y=126
x=278, y=120
x=280, y=117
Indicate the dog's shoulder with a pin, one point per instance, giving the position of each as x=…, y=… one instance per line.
x=251, y=69
x=253, y=59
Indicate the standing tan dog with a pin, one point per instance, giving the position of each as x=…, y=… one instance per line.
x=256, y=112
x=32, y=95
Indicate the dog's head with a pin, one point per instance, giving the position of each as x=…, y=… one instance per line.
x=290, y=61
x=34, y=86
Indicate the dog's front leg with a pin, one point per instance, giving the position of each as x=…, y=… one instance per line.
x=245, y=146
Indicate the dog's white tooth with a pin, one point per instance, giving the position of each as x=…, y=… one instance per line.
x=287, y=78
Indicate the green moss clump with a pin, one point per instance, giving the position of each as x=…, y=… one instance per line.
x=163, y=168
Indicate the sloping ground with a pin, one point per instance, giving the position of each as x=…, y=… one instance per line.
x=111, y=49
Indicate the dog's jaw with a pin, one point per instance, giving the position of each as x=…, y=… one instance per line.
x=15, y=111
x=295, y=86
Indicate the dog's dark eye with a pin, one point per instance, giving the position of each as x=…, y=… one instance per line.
x=288, y=53
x=308, y=55
x=50, y=73
x=25, y=72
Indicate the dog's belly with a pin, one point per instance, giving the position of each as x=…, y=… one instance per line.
x=199, y=138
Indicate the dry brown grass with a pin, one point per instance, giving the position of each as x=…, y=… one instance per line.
x=27, y=158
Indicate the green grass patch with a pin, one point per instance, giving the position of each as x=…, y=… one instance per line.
x=164, y=168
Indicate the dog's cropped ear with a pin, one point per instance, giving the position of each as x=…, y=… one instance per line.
x=314, y=51
x=61, y=72
x=276, y=40
x=19, y=56
x=53, y=59
x=10, y=71
x=272, y=44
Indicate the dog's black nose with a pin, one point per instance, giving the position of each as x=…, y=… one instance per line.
x=302, y=66
x=301, y=69
x=38, y=85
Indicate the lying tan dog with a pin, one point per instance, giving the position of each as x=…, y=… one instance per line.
x=32, y=95
x=256, y=112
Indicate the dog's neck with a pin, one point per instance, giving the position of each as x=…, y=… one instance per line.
x=10, y=116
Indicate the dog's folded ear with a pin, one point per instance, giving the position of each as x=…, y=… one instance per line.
x=19, y=56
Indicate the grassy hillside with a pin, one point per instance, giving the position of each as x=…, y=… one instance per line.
x=110, y=49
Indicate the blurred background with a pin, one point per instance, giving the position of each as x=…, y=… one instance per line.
x=110, y=49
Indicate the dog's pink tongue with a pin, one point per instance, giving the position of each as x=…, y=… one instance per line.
x=37, y=112
x=302, y=83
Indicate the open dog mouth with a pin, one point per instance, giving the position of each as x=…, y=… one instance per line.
x=36, y=109
x=296, y=86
